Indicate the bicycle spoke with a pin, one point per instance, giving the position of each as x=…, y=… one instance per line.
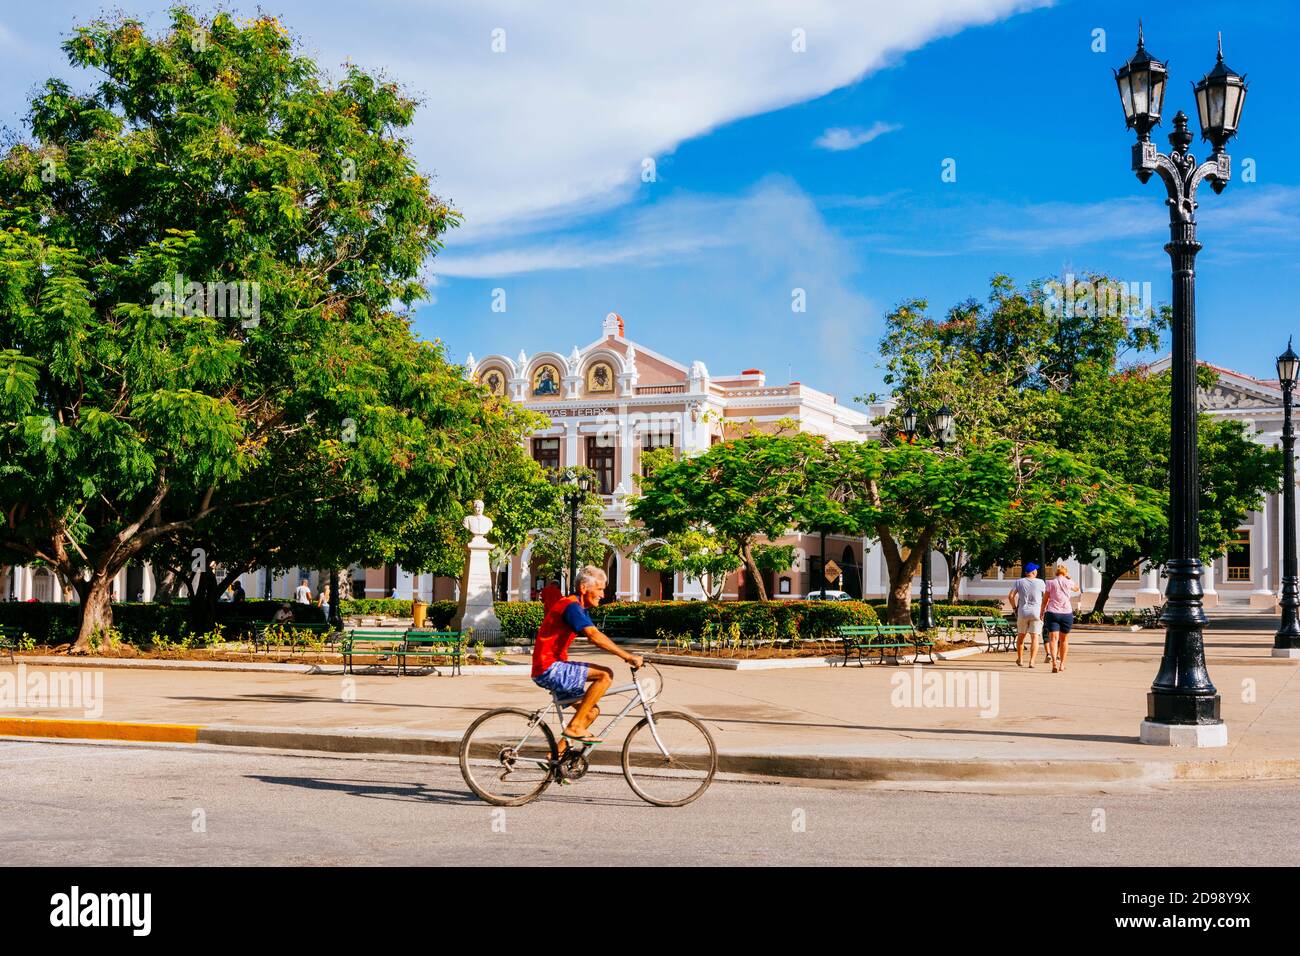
x=672, y=765
x=506, y=757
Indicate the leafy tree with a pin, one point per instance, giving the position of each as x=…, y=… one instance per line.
x=740, y=494
x=199, y=261
x=552, y=532
x=1121, y=421
x=1028, y=367
x=694, y=553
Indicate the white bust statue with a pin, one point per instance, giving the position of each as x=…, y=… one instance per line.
x=478, y=524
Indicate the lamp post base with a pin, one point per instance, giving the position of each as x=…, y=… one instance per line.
x=1291, y=652
x=1183, y=735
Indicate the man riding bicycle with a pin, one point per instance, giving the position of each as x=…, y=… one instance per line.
x=565, y=619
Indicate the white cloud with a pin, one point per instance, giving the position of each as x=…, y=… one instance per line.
x=585, y=91
x=761, y=245
x=839, y=138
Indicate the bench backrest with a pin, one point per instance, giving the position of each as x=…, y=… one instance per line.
x=434, y=637
x=857, y=630
x=395, y=636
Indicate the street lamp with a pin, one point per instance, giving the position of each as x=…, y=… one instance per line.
x=1183, y=706
x=941, y=430
x=1286, y=643
x=579, y=486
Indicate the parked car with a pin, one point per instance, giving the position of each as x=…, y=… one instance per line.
x=829, y=595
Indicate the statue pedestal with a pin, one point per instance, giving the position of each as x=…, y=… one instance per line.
x=474, y=607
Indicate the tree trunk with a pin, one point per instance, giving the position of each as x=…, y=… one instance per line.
x=901, y=572
x=751, y=567
x=167, y=587
x=96, y=611
x=1107, y=582
x=954, y=583
x=899, y=610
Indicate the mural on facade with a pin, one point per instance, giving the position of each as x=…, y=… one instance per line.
x=546, y=380
x=600, y=378
x=494, y=382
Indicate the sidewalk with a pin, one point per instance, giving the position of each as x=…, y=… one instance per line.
x=823, y=723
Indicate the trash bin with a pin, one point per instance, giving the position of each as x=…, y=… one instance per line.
x=419, y=610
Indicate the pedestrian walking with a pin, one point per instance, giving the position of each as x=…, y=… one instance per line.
x=302, y=593
x=1026, y=597
x=1058, y=617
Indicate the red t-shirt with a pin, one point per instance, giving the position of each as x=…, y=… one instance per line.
x=564, y=619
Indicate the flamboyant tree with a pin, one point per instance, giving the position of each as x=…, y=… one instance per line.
x=741, y=494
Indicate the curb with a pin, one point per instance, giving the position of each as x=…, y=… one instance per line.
x=841, y=767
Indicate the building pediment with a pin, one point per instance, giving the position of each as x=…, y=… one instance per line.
x=1233, y=391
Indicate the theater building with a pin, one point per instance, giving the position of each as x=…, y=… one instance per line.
x=615, y=399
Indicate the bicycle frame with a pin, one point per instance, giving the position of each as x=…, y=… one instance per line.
x=638, y=697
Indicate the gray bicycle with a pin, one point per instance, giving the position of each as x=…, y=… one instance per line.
x=509, y=756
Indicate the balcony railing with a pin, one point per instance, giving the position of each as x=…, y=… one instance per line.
x=660, y=389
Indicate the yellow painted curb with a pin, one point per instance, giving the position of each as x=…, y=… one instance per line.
x=99, y=730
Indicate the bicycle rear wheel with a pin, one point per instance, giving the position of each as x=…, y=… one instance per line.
x=676, y=773
x=506, y=756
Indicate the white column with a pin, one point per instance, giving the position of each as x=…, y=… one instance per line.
x=1149, y=594
x=24, y=583
x=1211, y=598
x=404, y=582
x=627, y=441
x=872, y=565
x=523, y=589
x=570, y=442
x=626, y=589
x=148, y=584
x=1263, y=595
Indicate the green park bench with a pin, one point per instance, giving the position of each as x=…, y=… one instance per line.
x=428, y=645
x=999, y=633
x=616, y=625
x=879, y=638
x=10, y=635
x=267, y=633
x=380, y=645
x=1150, y=616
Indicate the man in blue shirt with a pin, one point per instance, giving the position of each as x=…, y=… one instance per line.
x=552, y=669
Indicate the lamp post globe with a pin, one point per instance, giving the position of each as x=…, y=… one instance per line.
x=1183, y=706
x=1141, y=81
x=1286, y=643
x=1220, y=95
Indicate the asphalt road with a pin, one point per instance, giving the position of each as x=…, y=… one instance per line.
x=80, y=804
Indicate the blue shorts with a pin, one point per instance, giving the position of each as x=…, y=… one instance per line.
x=1057, y=621
x=564, y=679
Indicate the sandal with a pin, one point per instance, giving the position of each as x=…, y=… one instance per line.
x=583, y=738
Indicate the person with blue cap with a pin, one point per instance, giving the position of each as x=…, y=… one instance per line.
x=1026, y=598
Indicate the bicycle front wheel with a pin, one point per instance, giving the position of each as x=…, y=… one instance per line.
x=671, y=761
x=507, y=755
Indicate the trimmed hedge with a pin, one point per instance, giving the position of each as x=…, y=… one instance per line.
x=137, y=622
x=810, y=620
x=943, y=611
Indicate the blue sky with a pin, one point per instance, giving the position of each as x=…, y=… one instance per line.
x=778, y=169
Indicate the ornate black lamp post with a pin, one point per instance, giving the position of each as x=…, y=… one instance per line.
x=335, y=619
x=942, y=430
x=1286, y=643
x=576, y=493
x=1183, y=705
